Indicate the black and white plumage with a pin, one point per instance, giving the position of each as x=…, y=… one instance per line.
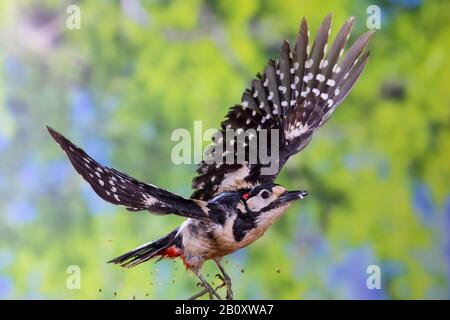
x=118, y=188
x=233, y=204
x=295, y=94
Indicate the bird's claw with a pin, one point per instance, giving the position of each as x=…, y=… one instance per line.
x=229, y=295
x=218, y=275
x=206, y=290
x=225, y=282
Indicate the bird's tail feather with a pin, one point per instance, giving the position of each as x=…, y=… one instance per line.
x=146, y=251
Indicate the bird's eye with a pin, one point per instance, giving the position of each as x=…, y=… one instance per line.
x=265, y=194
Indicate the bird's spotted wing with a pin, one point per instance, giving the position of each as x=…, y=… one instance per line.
x=120, y=189
x=294, y=95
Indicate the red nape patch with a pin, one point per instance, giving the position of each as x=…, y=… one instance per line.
x=246, y=195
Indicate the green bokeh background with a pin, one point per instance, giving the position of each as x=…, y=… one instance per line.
x=377, y=173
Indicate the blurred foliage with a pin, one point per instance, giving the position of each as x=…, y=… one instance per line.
x=377, y=173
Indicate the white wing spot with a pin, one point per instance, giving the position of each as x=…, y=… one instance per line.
x=308, y=77
x=305, y=93
x=296, y=131
x=149, y=200
x=323, y=64
x=231, y=178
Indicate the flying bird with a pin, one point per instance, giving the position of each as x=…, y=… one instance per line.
x=235, y=202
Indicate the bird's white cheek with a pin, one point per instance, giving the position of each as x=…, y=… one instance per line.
x=255, y=204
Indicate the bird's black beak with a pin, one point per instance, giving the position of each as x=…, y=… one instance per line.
x=290, y=196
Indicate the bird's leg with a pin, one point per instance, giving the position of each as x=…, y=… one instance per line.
x=206, y=289
x=198, y=295
x=226, y=280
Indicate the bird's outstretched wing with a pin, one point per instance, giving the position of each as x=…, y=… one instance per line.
x=294, y=96
x=118, y=188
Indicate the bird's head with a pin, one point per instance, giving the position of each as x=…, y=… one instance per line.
x=269, y=197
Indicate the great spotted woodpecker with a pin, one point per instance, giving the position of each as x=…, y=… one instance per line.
x=233, y=204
